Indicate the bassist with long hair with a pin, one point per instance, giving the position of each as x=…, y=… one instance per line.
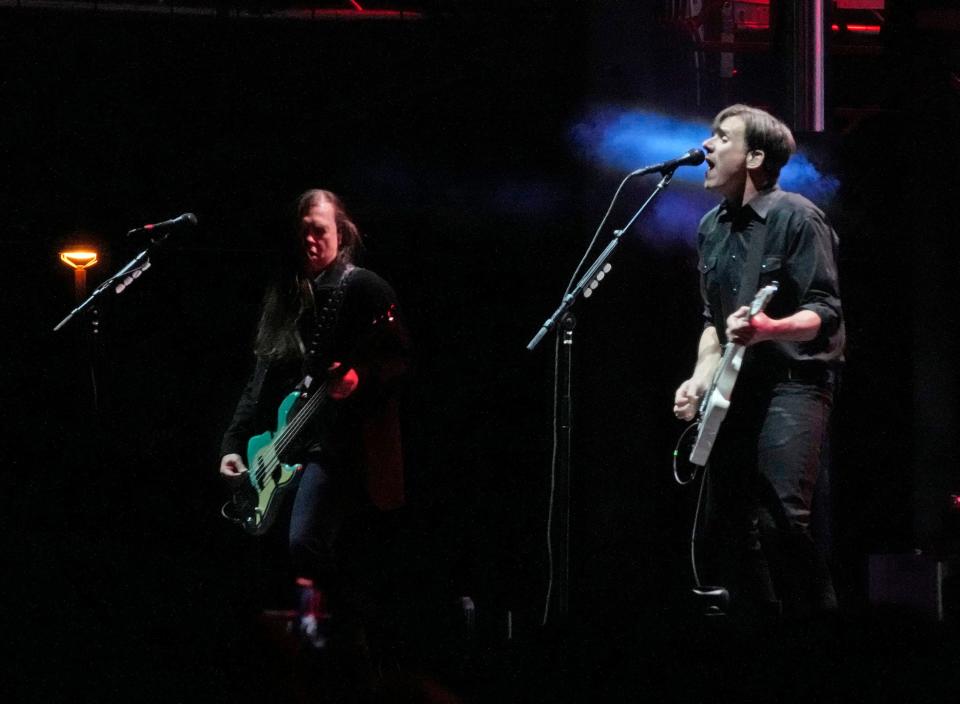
x=331, y=342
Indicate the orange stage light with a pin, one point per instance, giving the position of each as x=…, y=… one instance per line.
x=79, y=258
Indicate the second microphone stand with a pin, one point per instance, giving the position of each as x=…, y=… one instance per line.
x=119, y=281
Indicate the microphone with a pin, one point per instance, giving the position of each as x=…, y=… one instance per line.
x=157, y=227
x=691, y=158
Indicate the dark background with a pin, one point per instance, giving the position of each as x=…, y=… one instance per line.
x=449, y=138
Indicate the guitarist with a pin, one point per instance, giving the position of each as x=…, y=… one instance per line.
x=332, y=321
x=766, y=459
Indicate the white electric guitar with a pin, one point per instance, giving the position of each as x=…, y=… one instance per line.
x=716, y=402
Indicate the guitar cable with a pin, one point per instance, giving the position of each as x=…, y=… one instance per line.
x=699, y=504
x=553, y=481
x=676, y=454
x=224, y=514
x=696, y=523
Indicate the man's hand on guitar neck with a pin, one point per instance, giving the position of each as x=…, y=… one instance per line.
x=233, y=469
x=744, y=330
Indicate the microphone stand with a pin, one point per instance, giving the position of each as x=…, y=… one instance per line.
x=558, y=591
x=119, y=281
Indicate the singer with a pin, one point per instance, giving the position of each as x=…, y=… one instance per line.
x=767, y=457
x=329, y=320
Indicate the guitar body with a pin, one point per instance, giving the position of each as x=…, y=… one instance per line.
x=716, y=403
x=269, y=477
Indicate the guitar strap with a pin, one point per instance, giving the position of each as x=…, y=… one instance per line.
x=320, y=344
x=750, y=278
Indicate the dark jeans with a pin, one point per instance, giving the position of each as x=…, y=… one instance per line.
x=325, y=496
x=763, y=472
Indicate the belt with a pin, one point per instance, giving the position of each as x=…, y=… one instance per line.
x=813, y=374
x=817, y=375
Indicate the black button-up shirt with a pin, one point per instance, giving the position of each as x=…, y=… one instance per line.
x=800, y=253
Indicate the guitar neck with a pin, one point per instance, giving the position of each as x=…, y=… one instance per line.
x=730, y=352
x=289, y=433
x=292, y=429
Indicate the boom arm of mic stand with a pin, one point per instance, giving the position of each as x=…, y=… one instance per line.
x=138, y=263
x=571, y=296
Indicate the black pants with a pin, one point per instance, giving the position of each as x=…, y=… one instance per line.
x=763, y=472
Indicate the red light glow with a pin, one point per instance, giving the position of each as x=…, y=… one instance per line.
x=355, y=12
x=860, y=4
x=859, y=28
x=356, y=5
x=864, y=28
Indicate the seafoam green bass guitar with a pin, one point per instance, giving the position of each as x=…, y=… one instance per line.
x=255, y=504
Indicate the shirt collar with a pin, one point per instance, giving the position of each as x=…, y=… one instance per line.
x=760, y=204
x=330, y=277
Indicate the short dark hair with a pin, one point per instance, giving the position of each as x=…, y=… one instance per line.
x=764, y=132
